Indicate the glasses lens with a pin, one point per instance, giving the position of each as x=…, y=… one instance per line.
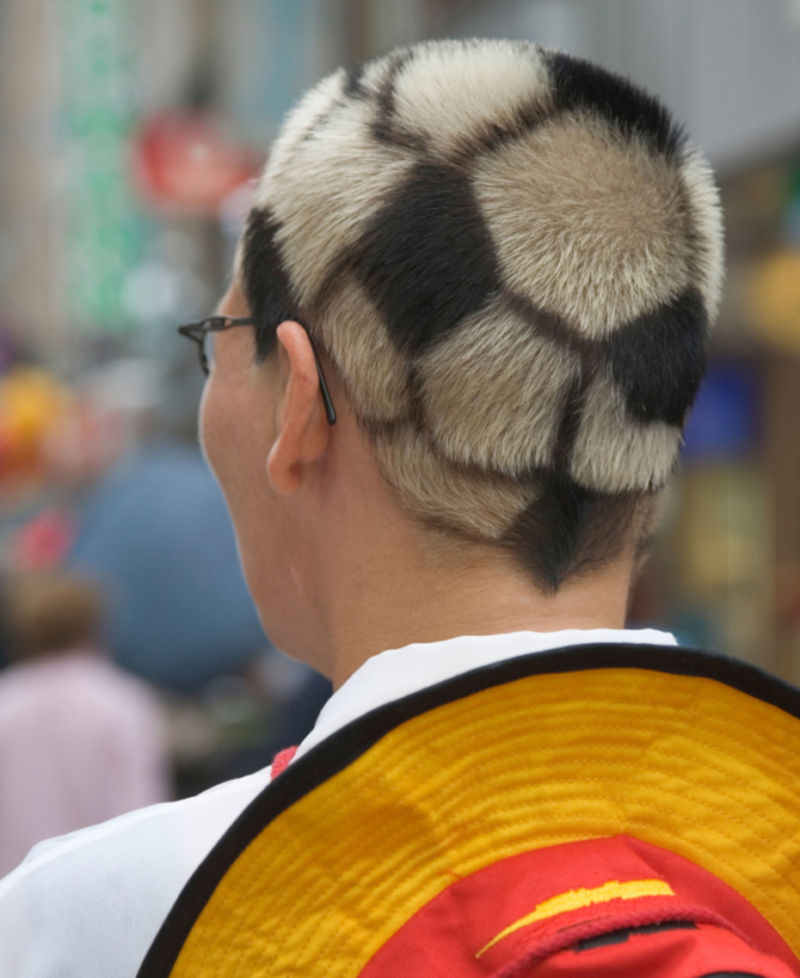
x=208, y=348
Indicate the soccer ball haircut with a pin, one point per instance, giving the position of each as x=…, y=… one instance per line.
x=513, y=258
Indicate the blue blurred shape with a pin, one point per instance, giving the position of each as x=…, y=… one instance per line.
x=158, y=536
x=791, y=221
x=725, y=420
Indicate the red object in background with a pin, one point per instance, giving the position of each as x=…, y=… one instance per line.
x=44, y=542
x=186, y=162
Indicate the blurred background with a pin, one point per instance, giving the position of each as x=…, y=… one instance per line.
x=130, y=133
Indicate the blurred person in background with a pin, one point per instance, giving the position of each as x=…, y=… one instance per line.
x=447, y=386
x=81, y=741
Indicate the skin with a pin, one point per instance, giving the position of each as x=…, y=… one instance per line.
x=337, y=571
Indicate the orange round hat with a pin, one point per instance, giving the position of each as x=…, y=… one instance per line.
x=494, y=824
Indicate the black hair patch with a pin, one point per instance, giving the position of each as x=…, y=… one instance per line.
x=427, y=259
x=549, y=325
x=265, y=281
x=320, y=122
x=493, y=135
x=385, y=128
x=569, y=529
x=578, y=84
x=658, y=360
x=571, y=419
x=353, y=87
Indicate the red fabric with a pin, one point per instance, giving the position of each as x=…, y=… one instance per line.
x=449, y=936
x=281, y=761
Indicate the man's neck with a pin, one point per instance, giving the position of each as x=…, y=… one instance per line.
x=368, y=578
x=488, y=598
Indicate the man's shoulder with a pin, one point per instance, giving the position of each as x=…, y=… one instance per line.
x=96, y=898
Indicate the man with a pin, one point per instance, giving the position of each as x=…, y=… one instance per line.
x=81, y=741
x=495, y=268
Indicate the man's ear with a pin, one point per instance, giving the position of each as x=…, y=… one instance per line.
x=303, y=429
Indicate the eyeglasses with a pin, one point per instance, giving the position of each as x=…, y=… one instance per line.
x=201, y=332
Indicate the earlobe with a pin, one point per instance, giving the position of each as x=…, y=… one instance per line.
x=303, y=432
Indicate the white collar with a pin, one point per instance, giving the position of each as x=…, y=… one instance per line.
x=396, y=673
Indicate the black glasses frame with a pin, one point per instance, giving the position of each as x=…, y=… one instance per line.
x=198, y=331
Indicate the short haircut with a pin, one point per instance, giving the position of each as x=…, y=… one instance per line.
x=513, y=258
x=51, y=612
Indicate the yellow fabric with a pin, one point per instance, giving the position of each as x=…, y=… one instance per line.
x=575, y=899
x=683, y=763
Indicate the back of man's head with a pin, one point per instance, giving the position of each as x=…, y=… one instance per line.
x=512, y=258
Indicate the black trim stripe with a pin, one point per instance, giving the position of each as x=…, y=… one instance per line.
x=622, y=936
x=346, y=745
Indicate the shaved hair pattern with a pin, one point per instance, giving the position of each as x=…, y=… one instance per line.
x=513, y=258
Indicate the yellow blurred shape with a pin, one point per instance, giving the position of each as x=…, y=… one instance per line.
x=774, y=300
x=31, y=401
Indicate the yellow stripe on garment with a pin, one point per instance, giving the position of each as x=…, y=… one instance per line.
x=575, y=899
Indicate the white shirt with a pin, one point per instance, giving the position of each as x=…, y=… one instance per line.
x=89, y=904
